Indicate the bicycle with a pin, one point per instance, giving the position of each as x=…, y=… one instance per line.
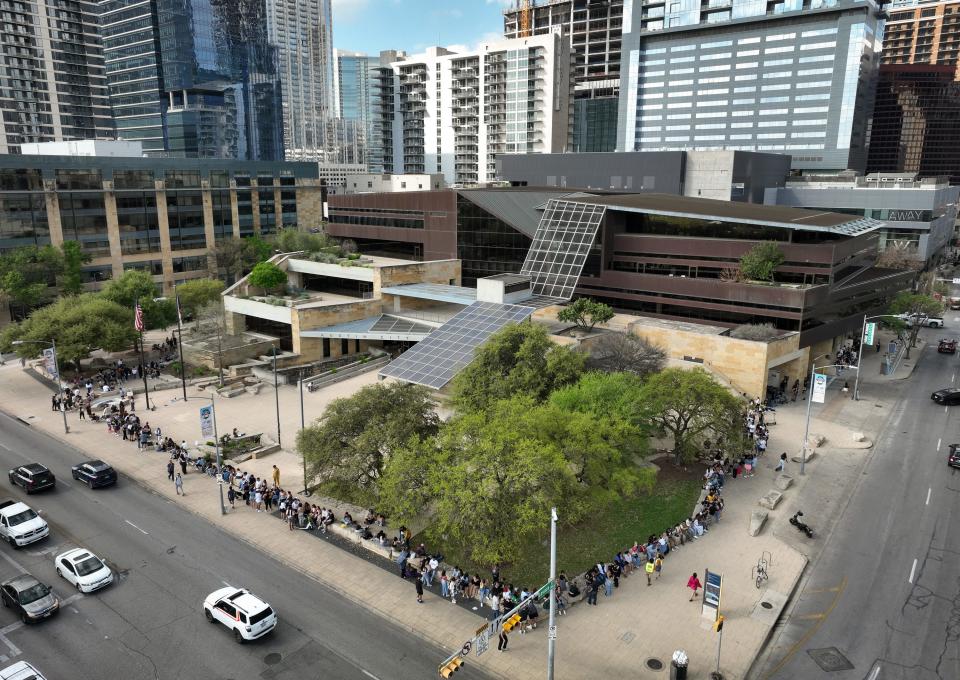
x=760, y=572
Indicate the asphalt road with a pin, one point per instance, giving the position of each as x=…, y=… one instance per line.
x=883, y=600
x=150, y=625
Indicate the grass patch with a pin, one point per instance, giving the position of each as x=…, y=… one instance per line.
x=579, y=547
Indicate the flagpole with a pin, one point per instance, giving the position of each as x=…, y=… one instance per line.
x=143, y=370
x=183, y=366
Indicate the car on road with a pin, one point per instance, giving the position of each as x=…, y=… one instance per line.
x=32, y=477
x=83, y=570
x=241, y=611
x=953, y=457
x=950, y=396
x=94, y=473
x=955, y=303
x=947, y=346
x=22, y=670
x=20, y=524
x=31, y=599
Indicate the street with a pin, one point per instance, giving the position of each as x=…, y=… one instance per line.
x=149, y=624
x=883, y=600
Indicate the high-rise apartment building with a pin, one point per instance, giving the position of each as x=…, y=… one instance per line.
x=194, y=78
x=593, y=28
x=794, y=76
x=52, y=82
x=452, y=113
x=302, y=32
x=916, y=119
x=356, y=104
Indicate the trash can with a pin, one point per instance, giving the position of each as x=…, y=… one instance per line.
x=678, y=665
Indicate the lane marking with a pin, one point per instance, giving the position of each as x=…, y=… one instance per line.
x=913, y=569
x=226, y=584
x=929, y=490
x=954, y=378
x=136, y=527
x=811, y=617
x=835, y=589
x=369, y=674
x=944, y=409
x=876, y=672
x=939, y=441
x=16, y=565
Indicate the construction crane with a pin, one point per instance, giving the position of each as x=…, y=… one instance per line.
x=524, y=7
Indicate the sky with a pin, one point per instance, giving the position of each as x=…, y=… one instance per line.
x=413, y=25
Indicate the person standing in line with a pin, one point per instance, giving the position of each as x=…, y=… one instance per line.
x=693, y=583
x=649, y=569
x=658, y=565
x=418, y=582
x=178, y=484
x=276, y=476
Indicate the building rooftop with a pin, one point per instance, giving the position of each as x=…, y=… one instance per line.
x=438, y=292
x=748, y=213
x=517, y=206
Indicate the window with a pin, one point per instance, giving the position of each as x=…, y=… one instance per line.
x=714, y=102
x=822, y=31
x=772, y=135
x=714, y=57
x=774, y=100
x=722, y=90
x=681, y=71
x=748, y=41
x=683, y=48
x=713, y=45
x=777, y=86
x=744, y=102
x=677, y=128
x=676, y=139
x=709, y=138
x=811, y=109
x=773, y=112
x=819, y=46
x=227, y=609
x=682, y=60
x=746, y=76
x=712, y=126
x=799, y=135
x=819, y=83
x=678, y=116
x=713, y=69
x=748, y=53
x=778, y=50
x=644, y=86
x=777, y=62
x=741, y=125
x=781, y=36
x=771, y=123
x=814, y=71
x=748, y=88
x=778, y=74
x=681, y=93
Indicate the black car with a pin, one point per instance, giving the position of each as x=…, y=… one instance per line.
x=32, y=477
x=950, y=395
x=953, y=458
x=94, y=473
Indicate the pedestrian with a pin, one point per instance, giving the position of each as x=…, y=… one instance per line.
x=417, y=582
x=658, y=565
x=608, y=583
x=231, y=496
x=178, y=484
x=649, y=569
x=170, y=469
x=878, y=347
x=502, y=637
x=782, y=466
x=80, y=413
x=276, y=476
x=183, y=461
x=258, y=501
x=693, y=583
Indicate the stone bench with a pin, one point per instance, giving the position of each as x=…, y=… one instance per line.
x=770, y=499
x=783, y=481
x=757, y=519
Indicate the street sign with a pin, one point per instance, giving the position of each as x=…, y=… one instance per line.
x=712, y=586
x=819, y=392
x=544, y=589
x=956, y=281
x=552, y=633
x=465, y=650
x=868, y=334
x=482, y=641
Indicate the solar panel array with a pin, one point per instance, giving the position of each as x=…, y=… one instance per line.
x=560, y=247
x=435, y=360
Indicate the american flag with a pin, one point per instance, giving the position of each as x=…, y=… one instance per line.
x=138, y=319
x=179, y=313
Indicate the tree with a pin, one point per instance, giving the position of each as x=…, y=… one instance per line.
x=28, y=275
x=79, y=324
x=518, y=359
x=293, y=240
x=136, y=286
x=198, y=293
x=267, y=276
x=586, y=313
x=761, y=262
x=626, y=352
x=689, y=405
x=914, y=306
x=237, y=256
x=353, y=439
x=74, y=258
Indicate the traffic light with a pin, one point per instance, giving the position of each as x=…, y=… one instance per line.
x=451, y=667
x=510, y=623
x=718, y=624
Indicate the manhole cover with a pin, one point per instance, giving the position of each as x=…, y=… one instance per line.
x=655, y=664
x=830, y=659
x=272, y=658
x=766, y=605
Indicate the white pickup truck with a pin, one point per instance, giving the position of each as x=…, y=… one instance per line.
x=20, y=525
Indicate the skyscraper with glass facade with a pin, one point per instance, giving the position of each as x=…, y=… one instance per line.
x=794, y=76
x=52, y=81
x=356, y=99
x=194, y=78
x=302, y=32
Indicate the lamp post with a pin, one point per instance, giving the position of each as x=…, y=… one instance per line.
x=863, y=332
x=216, y=441
x=276, y=393
x=56, y=367
x=552, y=623
x=806, y=429
x=306, y=490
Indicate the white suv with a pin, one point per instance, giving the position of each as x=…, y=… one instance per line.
x=21, y=670
x=244, y=613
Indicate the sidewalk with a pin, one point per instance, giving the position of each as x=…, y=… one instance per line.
x=636, y=624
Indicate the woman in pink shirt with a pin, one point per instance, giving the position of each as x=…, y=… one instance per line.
x=693, y=583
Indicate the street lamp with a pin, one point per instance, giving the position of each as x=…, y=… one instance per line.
x=306, y=490
x=552, y=623
x=56, y=368
x=216, y=441
x=276, y=393
x=806, y=429
x=863, y=332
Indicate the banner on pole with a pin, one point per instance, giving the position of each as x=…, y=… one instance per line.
x=206, y=421
x=712, y=587
x=868, y=334
x=50, y=363
x=819, y=388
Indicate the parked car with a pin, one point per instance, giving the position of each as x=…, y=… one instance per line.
x=32, y=477
x=83, y=570
x=22, y=670
x=20, y=524
x=94, y=473
x=954, y=303
x=922, y=320
x=31, y=599
x=947, y=346
x=238, y=609
x=950, y=395
x=953, y=457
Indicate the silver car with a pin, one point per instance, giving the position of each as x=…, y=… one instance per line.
x=32, y=600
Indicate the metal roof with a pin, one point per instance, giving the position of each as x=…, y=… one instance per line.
x=516, y=206
x=383, y=327
x=439, y=292
x=747, y=213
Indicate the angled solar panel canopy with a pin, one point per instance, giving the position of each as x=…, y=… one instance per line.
x=435, y=360
x=560, y=247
